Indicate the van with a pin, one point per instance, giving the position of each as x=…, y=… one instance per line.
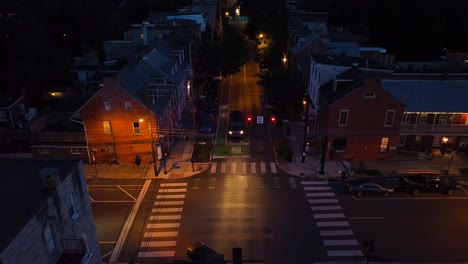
x=236, y=124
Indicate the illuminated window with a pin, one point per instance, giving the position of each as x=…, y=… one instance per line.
x=456, y=118
x=136, y=128
x=384, y=144
x=343, y=118
x=128, y=106
x=406, y=118
x=389, y=117
x=76, y=151
x=108, y=106
x=107, y=127
x=422, y=118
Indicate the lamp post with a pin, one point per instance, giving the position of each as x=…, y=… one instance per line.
x=450, y=163
x=306, y=119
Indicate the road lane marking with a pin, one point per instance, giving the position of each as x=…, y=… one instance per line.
x=159, y=244
x=161, y=234
x=292, y=183
x=262, y=167
x=243, y=182
x=213, y=167
x=273, y=167
x=335, y=223
x=323, y=194
x=261, y=183
x=244, y=167
x=228, y=183
x=340, y=242
x=315, y=201
x=129, y=223
x=253, y=167
x=276, y=183
x=165, y=203
x=313, y=182
x=196, y=184
x=172, y=190
x=164, y=217
x=325, y=208
x=321, y=188
x=337, y=233
x=170, y=196
x=163, y=225
x=166, y=210
x=335, y=215
x=344, y=253
x=175, y=184
x=131, y=196
x=233, y=167
x=156, y=254
x=212, y=183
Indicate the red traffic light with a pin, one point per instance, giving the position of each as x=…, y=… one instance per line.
x=273, y=118
x=249, y=120
x=166, y=154
x=308, y=143
x=272, y=121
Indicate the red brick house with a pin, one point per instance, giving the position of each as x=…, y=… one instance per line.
x=361, y=119
x=135, y=113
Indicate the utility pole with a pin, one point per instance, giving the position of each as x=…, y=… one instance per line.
x=306, y=123
x=324, y=153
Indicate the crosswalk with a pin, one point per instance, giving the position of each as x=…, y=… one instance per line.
x=334, y=229
x=161, y=231
x=244, y=167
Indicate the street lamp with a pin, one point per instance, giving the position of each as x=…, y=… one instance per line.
x=306, y=119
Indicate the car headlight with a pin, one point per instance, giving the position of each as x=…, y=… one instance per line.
x=242, y=132
x=230, y=132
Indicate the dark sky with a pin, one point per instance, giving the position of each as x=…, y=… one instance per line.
x=412, y=29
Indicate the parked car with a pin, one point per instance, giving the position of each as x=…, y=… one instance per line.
x=206, y=123
x=361, y=187
x=416, y=184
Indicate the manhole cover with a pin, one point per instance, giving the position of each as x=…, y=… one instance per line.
x=236, y=150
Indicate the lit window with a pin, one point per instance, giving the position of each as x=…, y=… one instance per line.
x=76, y=151
x=369, y=94
x=384, y=144
x=44, y=151
x=108, y=105
x=128, y=106
x=49, y=238
x=456, y=118
x=389, y=117
x=107, y=127
x=343, y=118
x=422, y=118
x=136, y=128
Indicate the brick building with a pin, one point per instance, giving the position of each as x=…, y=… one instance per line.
x=361, y=119
x=46, y=215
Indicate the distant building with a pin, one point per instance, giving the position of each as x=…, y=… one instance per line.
x=46, y=215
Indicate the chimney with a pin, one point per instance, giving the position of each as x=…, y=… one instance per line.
x=145, y=33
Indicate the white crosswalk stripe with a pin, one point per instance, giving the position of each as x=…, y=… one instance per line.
x=243, y=167
x=331, y=221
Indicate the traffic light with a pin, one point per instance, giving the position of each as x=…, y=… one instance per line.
x=272, y=121
x=307, y=143
x=166, y=154
x=249, y=120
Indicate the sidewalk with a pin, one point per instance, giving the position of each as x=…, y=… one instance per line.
x=311, y=166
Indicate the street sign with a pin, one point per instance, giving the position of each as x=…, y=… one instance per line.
x=260, y=120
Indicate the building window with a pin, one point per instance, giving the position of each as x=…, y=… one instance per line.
x=456, y=119
x=443, y=119
x=369, y=94
x=72, y=212
x=44, y=151
x=107, y=106
x=343, y=118
x=49, y=238
x=107, y=127
x=128, y=106
x=136, y=128
x=406, y=118
x=389, y=117
x=384, y=144
x=339, y=144
x=422, y=118
x=401, y=140
x=76, y=151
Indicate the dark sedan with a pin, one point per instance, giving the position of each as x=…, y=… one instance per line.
x=361, y=188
